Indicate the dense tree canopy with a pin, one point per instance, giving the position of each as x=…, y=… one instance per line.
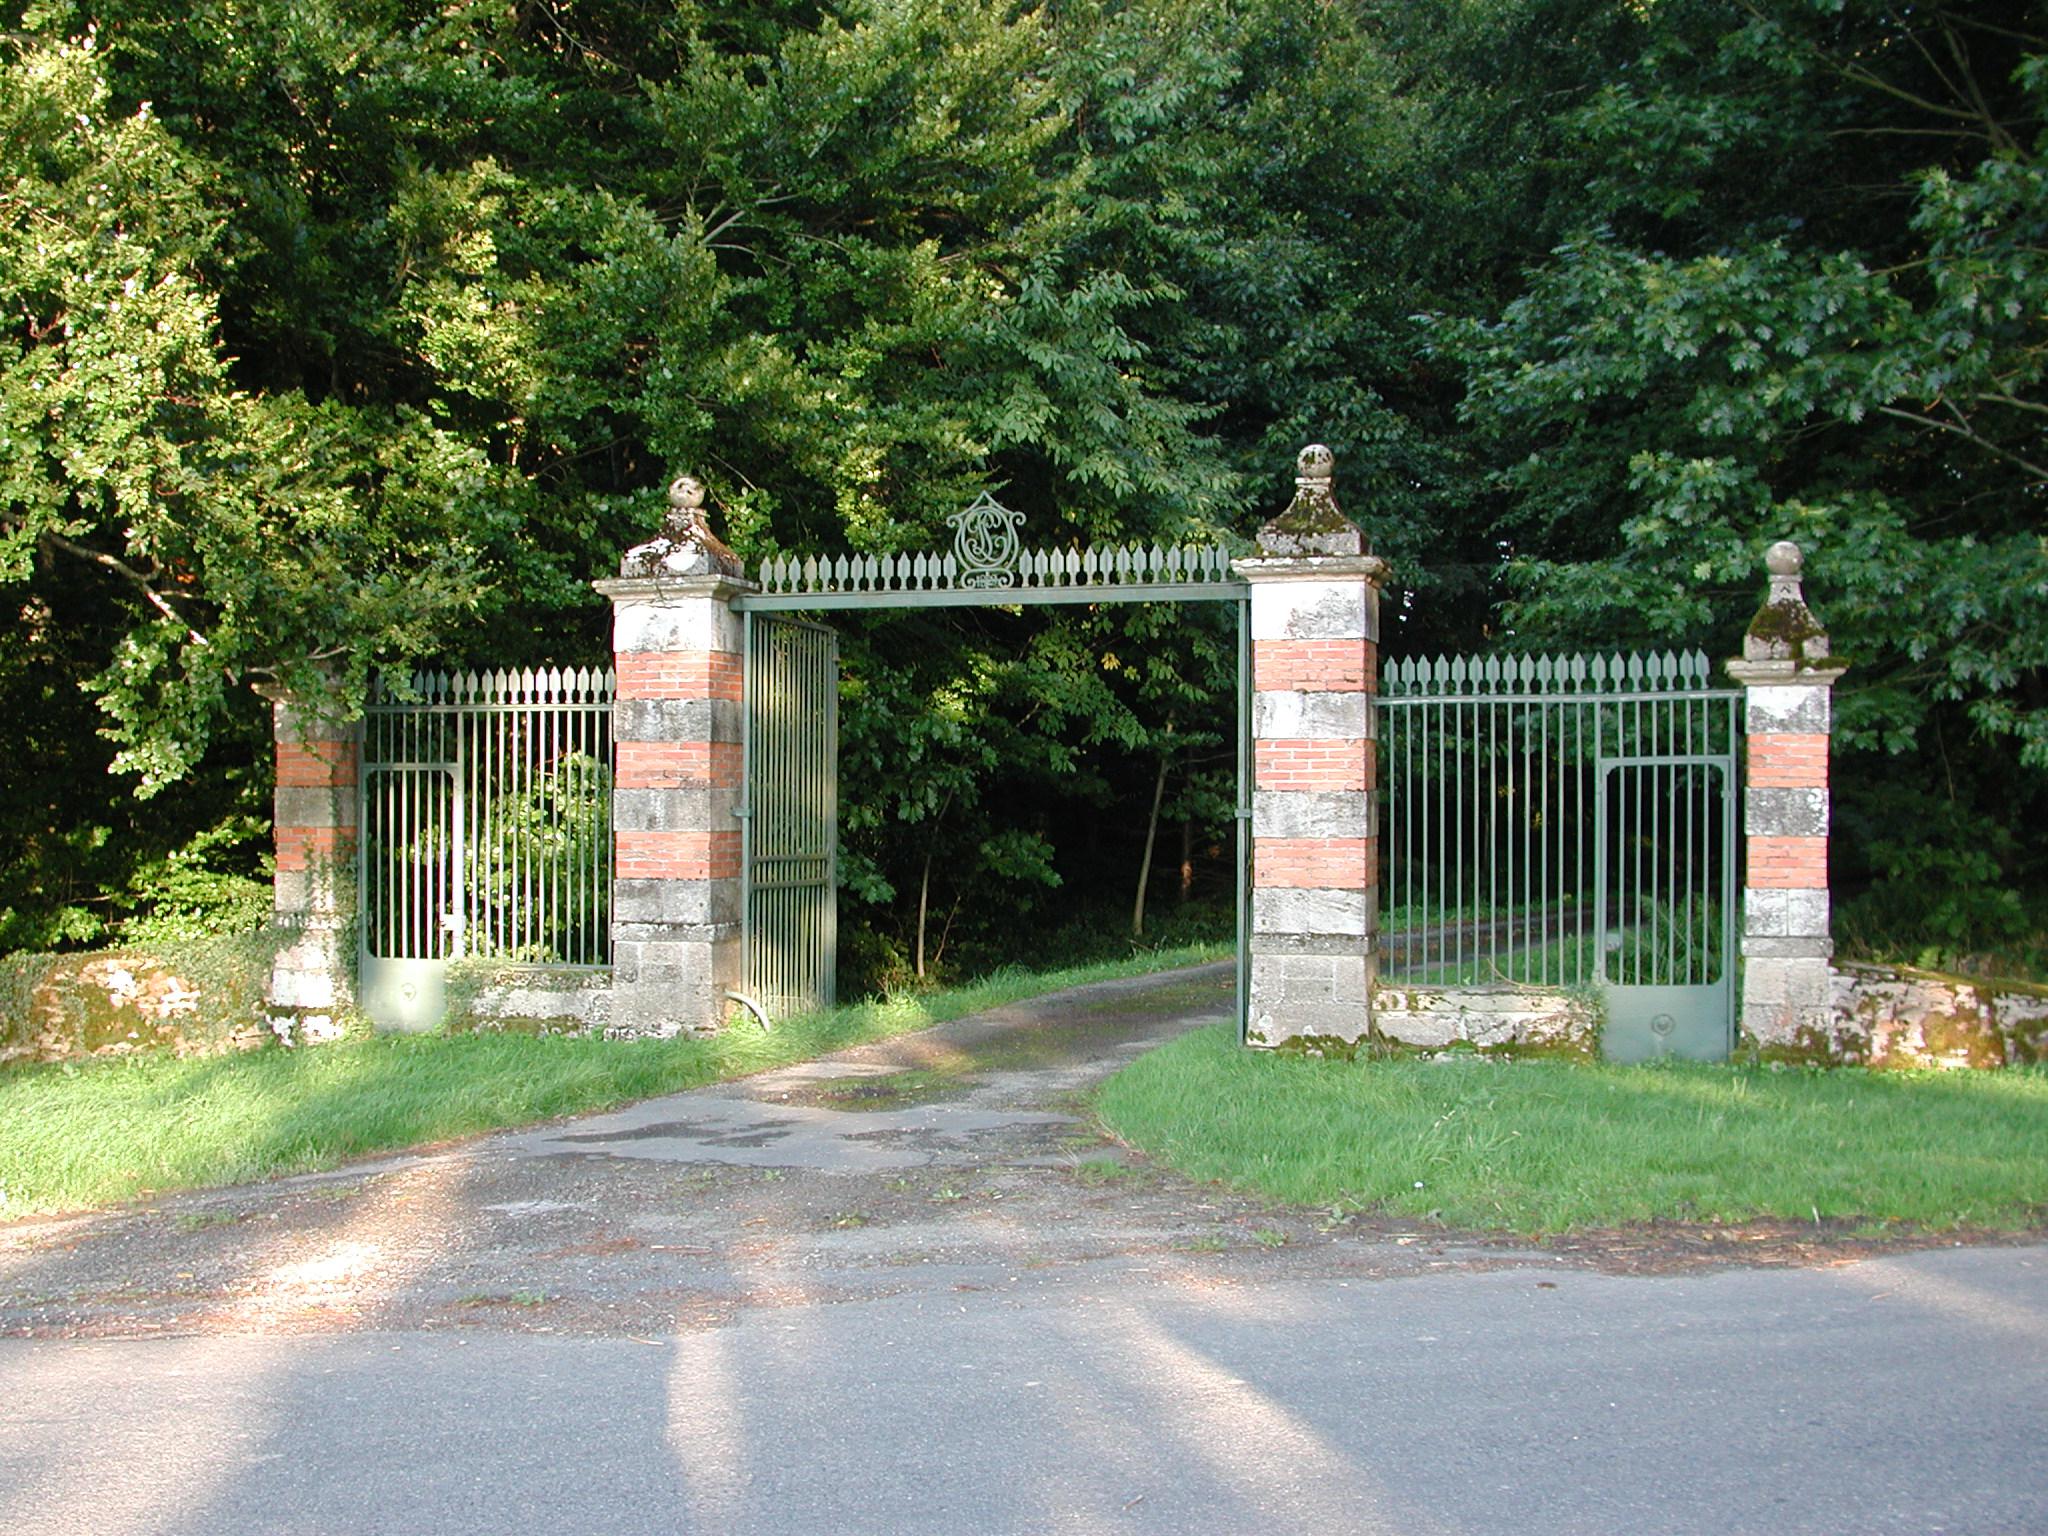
x=343, y=333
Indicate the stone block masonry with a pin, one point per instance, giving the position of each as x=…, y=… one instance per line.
x=1315, y=855
x=678, y=650
x=313, y=817
x=678, y=655
x=1787, y=677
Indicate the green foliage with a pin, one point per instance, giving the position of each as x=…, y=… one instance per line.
x=343, y=335
x=560, y=823
x=1805, y=298
x=187, y=895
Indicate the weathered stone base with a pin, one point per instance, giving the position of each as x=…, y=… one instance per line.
x=1878, y=1016
x=669, y=985
x=1787, y=1000
x=310, y=973
x=1310, y=997
x=1425, y=1020
x=539, y=1000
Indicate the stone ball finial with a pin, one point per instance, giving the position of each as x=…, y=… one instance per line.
x=686, y=493
x=1312, y=525
x=686, y=545
x=1784, y=559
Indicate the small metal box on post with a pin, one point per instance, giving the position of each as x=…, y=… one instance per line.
x=1315, y=843
x=677, y=722
x=1788, y=676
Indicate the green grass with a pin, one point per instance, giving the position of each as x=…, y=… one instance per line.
x=77, y=1136
x=1536, y=1147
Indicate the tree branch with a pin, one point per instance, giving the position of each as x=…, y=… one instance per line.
x=128, y=573
x=1964, y=431
x=2014, y=401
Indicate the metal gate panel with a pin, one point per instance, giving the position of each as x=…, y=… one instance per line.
x=1665, y=897
x=1565, y=822
x=790, y=817
x=484, y=831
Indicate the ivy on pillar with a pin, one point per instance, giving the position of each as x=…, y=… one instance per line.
x=313, y=827
x=676, y=729
x=1315, y=845
x=1787, y=676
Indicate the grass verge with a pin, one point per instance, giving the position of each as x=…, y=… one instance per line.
x=76, y=1136
x=1541, y=1147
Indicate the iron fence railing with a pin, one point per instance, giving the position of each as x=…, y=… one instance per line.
x=485, y=817
x=1556, y=821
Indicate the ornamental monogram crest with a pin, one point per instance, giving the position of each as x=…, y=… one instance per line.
x=985, y=543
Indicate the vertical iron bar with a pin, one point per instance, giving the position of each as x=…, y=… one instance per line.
x=1494, y=838
x=1245, y=765
x=1553, y=958
x=750, y=694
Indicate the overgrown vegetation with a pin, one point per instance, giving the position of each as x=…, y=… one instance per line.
x=91, y=1134
x=1539, y=1147
x=348, y=333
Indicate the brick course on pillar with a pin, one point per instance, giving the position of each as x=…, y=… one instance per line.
x=1787, y=676
x=313, y=819
x=676, y=729
x=1315, y=851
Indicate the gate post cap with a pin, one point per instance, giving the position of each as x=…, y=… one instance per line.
x=1784, y=633
x=1312, y=523
x=686, y=546
x=1784, y=559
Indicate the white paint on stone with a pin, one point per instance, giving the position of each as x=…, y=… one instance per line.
x=1309, y=610
x=1292, y=910
x=678, y=621
x=1772, y=811
x=1773, y=913
x=1285, y=714
x=1308, y=813
x=1787, y=708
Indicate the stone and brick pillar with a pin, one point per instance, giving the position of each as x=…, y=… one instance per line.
x=1315, y=847
x=676, y=729
x=1787, y=675
x=313, y=820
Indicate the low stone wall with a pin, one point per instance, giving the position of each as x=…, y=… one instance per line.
x=1884, y=1016
x=1496, y=1021
x=67, y=1007
x=546, y=1000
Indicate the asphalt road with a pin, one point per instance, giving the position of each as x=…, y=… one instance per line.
x=1902, y=1394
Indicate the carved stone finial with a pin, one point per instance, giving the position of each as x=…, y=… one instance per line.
x=1312, y=523
x=1784, y=629
x=686, y=546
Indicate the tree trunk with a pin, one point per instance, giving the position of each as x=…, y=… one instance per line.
x=924, y=891
x=1151, y=837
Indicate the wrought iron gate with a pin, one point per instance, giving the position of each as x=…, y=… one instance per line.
x=789, y=818
x=484, y=816
x=1556, y=821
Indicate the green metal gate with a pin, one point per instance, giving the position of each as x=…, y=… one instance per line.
x=484, y=817
x=789, y=818
x=1566, y=821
